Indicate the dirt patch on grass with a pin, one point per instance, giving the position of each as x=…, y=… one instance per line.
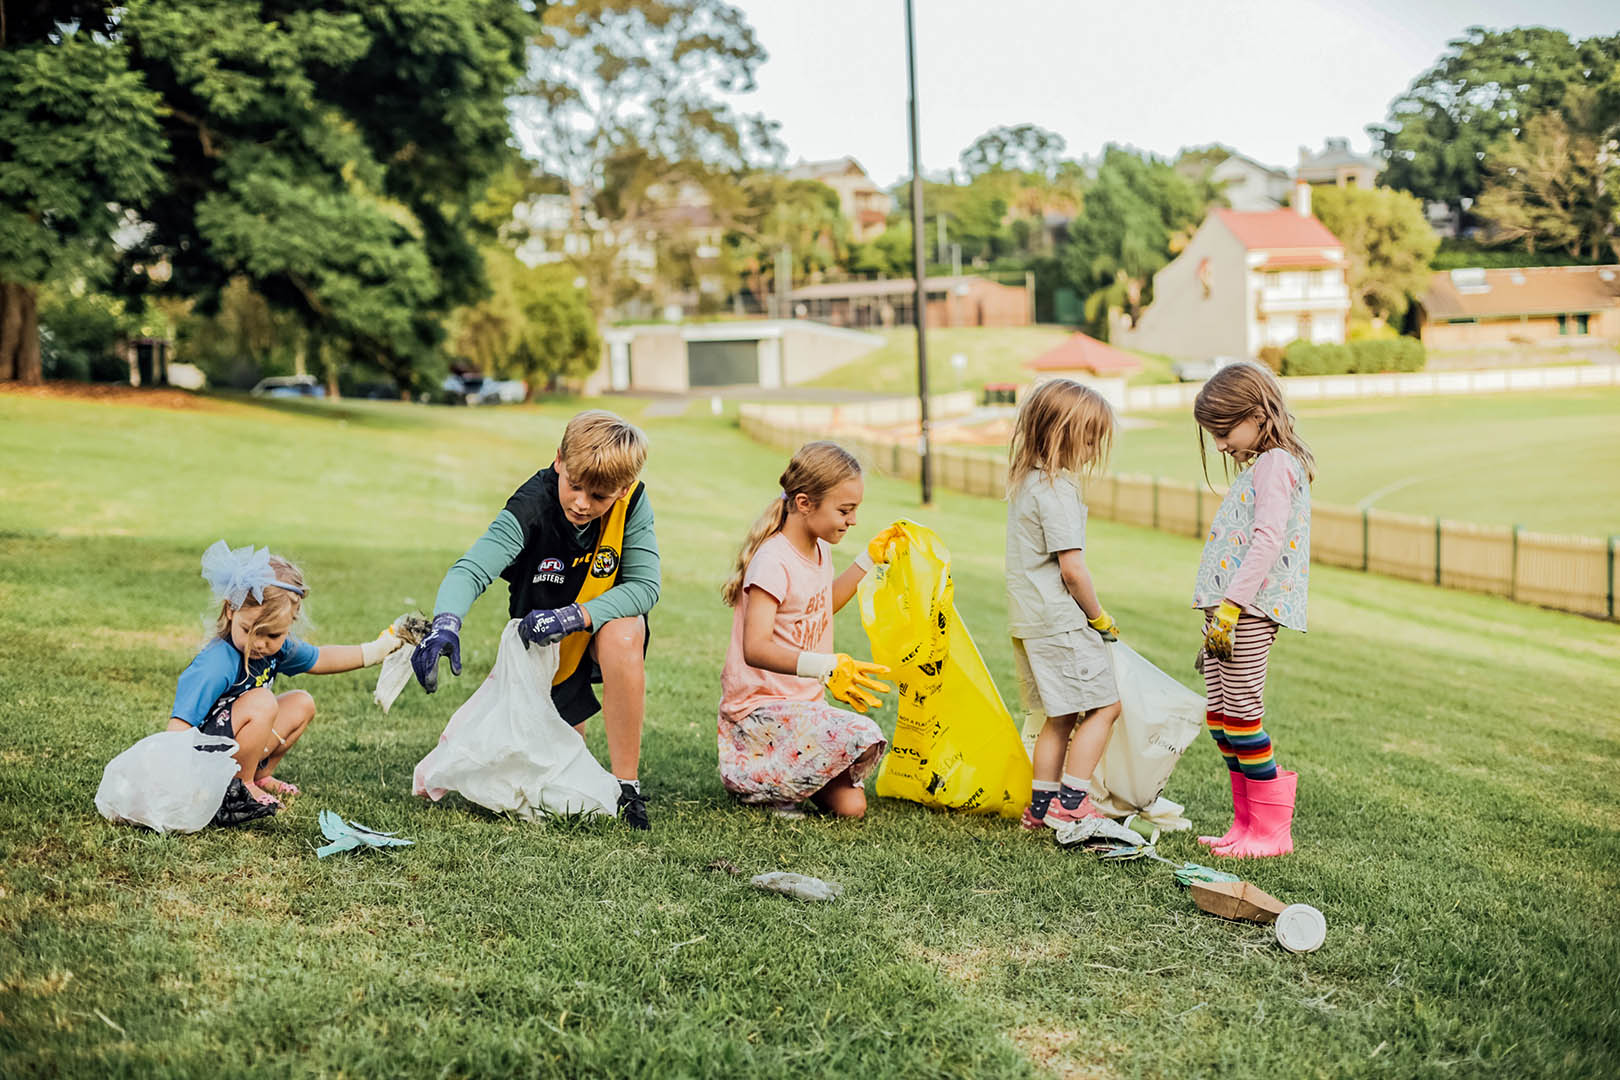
x=158, y=397
x=1051, y=1049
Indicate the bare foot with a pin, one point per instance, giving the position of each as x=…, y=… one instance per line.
x=277, y=787
x=261, y=796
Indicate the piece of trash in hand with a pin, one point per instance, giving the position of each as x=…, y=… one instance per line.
x=349, y=835
x=410, y=628
x=800, y=886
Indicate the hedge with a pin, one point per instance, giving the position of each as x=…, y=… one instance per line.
x=1358, y=357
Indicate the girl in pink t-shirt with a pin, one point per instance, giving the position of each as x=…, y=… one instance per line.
x=780, y=741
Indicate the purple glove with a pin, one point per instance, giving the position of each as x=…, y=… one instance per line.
x=547, y=626
x=444, y=640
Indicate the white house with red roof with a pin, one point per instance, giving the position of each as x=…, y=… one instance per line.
x=1247, y=279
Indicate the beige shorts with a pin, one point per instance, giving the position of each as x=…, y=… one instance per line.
x=1065, y=673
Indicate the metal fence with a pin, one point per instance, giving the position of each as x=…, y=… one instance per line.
x=1570, y=573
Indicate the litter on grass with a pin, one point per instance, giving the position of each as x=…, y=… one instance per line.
x=351, y=836
x=799, y=886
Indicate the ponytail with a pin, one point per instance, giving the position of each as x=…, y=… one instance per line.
x=767, y=525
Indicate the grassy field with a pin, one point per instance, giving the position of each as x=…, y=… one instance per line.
x=994, y=354
x=1459, y=811
x=1548, y=460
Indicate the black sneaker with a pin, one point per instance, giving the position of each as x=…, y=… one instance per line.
x=633, y=807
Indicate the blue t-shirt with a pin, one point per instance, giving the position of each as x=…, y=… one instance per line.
x=218, y=672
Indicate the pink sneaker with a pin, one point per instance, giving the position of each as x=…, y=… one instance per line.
x=1058, y=814
x=1030, y=821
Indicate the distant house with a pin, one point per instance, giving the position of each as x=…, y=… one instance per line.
x=1338, y=165
x=1530, y=304
x=1247, y=279
x=1250, y=185
x=952, y=301
x=865, y=205
x=768, y=353
x=1086, y=360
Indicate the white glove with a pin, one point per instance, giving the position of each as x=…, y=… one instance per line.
x=372, y=652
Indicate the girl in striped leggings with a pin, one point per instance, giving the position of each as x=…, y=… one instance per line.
x=1252, y=580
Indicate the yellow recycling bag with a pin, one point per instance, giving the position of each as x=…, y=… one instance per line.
x=955, y=746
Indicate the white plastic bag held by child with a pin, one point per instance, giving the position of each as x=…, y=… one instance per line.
x=396, y=667
x=173, y=781
x=1159, y=719
x=508, y=750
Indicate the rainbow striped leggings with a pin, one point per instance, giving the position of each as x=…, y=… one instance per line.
x=1235, y=691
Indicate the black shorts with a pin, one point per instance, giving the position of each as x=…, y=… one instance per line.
x=576, y=702
x=218, y=720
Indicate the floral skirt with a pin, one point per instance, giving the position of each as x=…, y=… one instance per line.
x=787, y=751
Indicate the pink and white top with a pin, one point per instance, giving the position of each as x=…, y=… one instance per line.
x=802, y=588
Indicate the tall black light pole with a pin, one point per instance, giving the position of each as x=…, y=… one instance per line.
x=919, y=267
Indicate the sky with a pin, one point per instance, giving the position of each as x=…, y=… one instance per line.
x=1263, y=76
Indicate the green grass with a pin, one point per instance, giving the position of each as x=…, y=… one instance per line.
x=994, y=355
x=1547, y=460
x=1458, y=812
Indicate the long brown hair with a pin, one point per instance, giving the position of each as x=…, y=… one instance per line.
x=815, y=470
x=1063, y=427
x=281, y=607
x=1238, y=392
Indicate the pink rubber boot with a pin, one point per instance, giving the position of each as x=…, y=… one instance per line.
x=1240, y=814
x=1271, y=819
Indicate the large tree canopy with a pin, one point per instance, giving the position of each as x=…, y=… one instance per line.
x=327, y=153
x=79, y=136
x=1484, y=88
x=1387, y=242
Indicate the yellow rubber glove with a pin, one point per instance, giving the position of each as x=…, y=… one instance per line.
x=1218, y=631
x=1105, y=625
x=877, y=548
x=851, y=679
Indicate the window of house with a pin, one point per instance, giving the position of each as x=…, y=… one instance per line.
x=1563, y=324
x=1581, y=323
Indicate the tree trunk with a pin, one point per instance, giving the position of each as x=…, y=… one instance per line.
x=19, y=334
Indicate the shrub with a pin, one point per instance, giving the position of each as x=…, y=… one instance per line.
x=1272, y=357
x=1359, y=357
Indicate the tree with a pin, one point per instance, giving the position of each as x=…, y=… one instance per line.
x=1483, y=89
x=801, y=216
x=535, y=325
x=1139, y=211
x=1387, y=244
x=1024, y=148
x=1554, y=187
x=330, y=156
x=625, y=102
x=79, y=138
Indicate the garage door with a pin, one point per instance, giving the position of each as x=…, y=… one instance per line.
x=722, y=363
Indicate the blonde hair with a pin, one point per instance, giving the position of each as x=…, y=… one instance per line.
x=1063, y=427
x=602, y=451
x=1242, y=391
x=815, y=470
x=280, y=608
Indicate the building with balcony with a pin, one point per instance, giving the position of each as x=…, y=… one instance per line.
x=1337, y=164
x=864, y=205
x=1247, y=280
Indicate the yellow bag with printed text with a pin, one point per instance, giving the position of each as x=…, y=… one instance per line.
x=955, y=746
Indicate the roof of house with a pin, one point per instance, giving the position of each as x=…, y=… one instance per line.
x=1268, y=229
x=1336, y=153
x=1530, y=290
x=1080, y=352
x=900, y=286
x=1258, y=166
x=813, y=170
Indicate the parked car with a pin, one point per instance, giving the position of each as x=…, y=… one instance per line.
x=472, y=389
x=1199, y=370
x=289, y=386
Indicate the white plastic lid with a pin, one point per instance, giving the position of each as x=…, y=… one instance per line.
x=1301, y=928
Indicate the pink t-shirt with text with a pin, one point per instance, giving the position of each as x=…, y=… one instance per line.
x=803, y=591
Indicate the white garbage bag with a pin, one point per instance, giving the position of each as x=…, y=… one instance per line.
x=1159, y=718
x=508, y=750
x=172, y=781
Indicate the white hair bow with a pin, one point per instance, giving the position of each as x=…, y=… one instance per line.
x=233, y=573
